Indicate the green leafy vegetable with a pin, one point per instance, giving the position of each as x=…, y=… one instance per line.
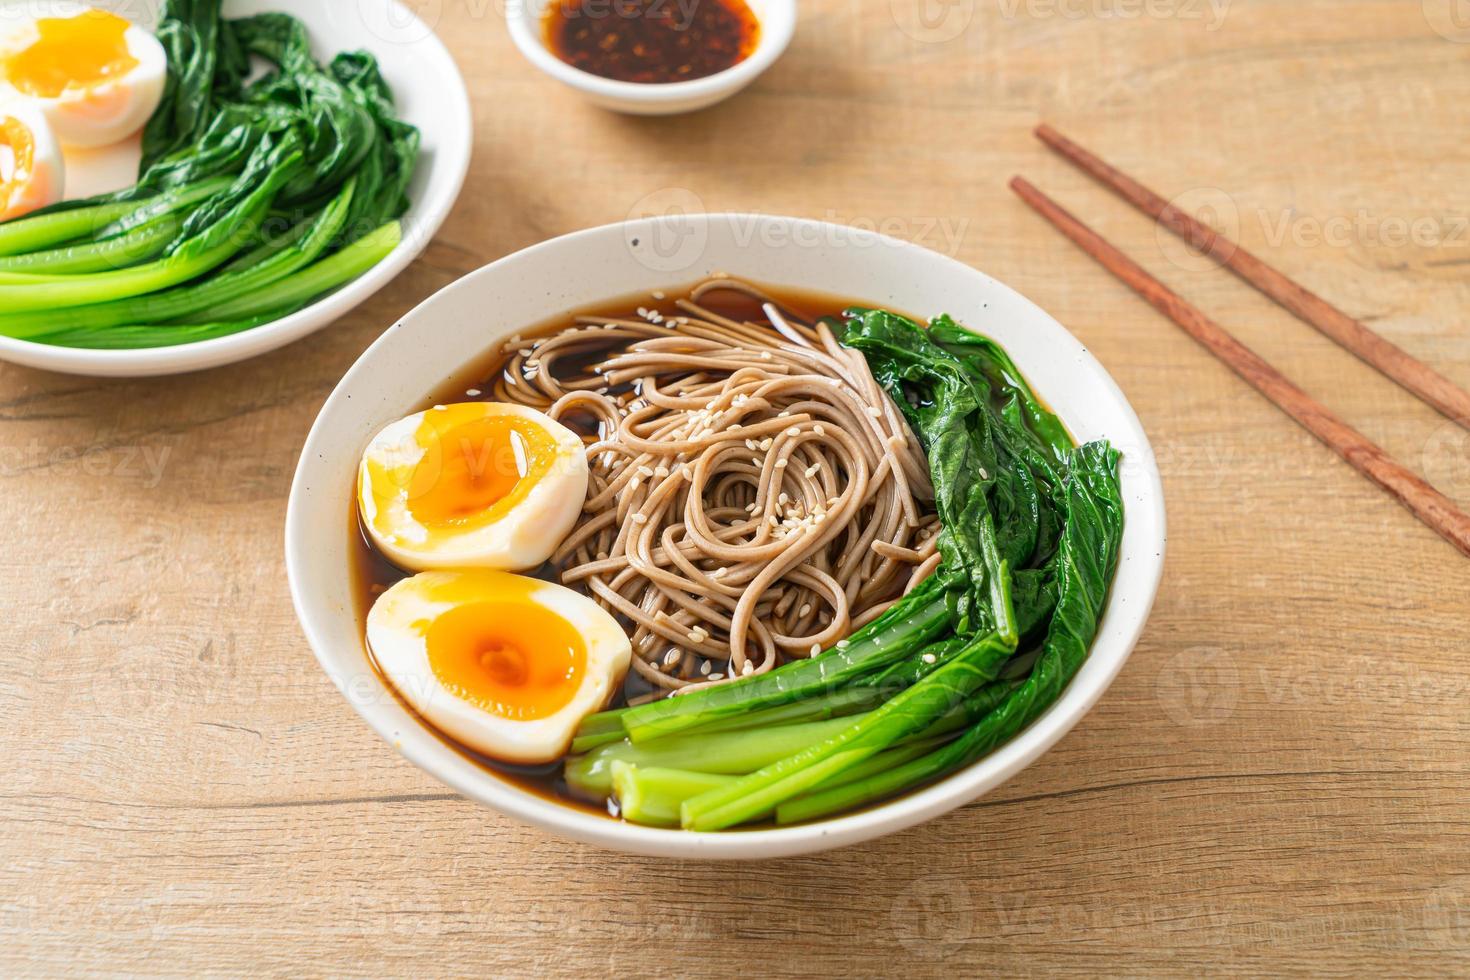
x=257, y=193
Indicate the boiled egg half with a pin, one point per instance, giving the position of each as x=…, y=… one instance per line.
x=32, y=173
x=506, y=664
x=95, y=76
x=473, y=484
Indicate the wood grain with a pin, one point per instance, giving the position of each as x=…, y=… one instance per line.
x=1414, y=375
x=1275, y=784
x=1425, y=502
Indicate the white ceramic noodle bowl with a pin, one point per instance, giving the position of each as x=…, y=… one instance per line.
x=429, y=93
x=463, y=321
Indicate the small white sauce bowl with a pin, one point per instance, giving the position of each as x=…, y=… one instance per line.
x=777, y=23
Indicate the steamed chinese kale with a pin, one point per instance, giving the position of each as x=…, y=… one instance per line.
x=253, y=197
x=1031, y=531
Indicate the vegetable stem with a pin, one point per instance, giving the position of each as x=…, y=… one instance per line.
x=44, y=230
x=652, y=795
x=728, y=753
x=301, y=287
x=120, y=251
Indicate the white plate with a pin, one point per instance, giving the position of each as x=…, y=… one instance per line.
x=462, y=321
x=429, y=93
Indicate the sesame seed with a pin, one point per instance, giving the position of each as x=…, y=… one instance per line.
x=793, y=431
x=645, y=472
x=928, y=658
x=843, y=644
x=671, y=658
x=640, y=518
x=765, y=355
x=781, y=463
x=472, y=392
x=660, y=471
x=704, y=668
x=748, y=669
x=816, y=649
x=805, y=610
x=658, y=294
x=633, y=484
x=716, y=676
x=811, y=470
x=819, y=429
x=876, y=412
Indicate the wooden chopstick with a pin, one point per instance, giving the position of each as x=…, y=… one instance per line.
x=1427, y=503
x=1390, y=359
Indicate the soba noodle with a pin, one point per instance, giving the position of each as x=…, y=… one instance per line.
x=754, y=495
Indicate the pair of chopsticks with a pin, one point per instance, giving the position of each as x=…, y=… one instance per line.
x=1411, y=490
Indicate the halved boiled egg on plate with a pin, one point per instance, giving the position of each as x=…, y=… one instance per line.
x=473, y=484
x=506, y=664
x=95, y=76
x=32, y=173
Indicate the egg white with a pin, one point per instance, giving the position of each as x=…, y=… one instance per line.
x=102, y=114
x=522, y=538
x=396, y=637
x=45, y=181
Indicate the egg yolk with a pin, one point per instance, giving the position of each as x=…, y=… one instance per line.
x=19, y=144
x=518, y=660
x=72, y=52
x=475, y=467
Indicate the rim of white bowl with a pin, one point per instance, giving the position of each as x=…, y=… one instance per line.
x=890, y=816
x=523, y=18
x=204, y=354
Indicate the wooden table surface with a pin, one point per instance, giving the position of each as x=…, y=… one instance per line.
x=1278, y=781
